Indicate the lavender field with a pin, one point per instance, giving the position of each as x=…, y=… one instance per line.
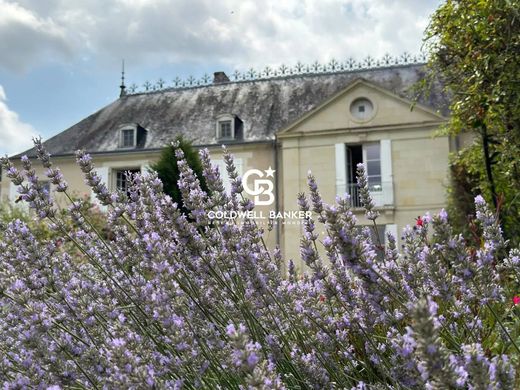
x=170, y=300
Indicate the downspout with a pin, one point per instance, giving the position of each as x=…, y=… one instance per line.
x=276, y=182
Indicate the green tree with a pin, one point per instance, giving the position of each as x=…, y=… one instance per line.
x=166, y=168
x=474, y=49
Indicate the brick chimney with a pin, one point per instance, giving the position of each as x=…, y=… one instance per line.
x=220, y=77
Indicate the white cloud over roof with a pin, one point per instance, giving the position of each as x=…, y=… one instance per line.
x=15, y=135
x=241, y=33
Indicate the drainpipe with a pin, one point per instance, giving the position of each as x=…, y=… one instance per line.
x=276, y=182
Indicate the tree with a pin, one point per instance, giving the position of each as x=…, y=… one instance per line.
x=474, y=48
x=168, y=172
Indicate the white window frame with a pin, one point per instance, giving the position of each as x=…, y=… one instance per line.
x=115, y=171
x=368, y=109
x=224, y=119
x=121, y=137
x=107, y=175
x=391, y=228
x=385, y=197
x=364, y=147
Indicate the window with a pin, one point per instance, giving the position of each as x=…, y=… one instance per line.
x=225, y=130
x=378, y=235
x=372, y=160
x=127, y=138
x=130, y=136
x=370, y=155
x=122, y=182
x=229, y=127
x=362, y=109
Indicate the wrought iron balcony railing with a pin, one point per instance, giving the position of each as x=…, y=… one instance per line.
x=382, y=193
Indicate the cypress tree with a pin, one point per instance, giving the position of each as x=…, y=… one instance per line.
x=168, y=172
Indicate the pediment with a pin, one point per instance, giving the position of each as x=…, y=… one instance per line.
x=340, y=112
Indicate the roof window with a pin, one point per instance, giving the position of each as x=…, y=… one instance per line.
x=127, y=138
x=229, y=127
x=131, y=135
x=225, y=129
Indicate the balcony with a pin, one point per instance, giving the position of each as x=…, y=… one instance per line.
x=382, y=194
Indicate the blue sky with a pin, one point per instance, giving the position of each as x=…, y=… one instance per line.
x=60, y=60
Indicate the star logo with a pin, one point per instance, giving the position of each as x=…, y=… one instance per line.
x=269, y=172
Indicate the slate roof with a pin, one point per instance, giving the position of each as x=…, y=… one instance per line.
x=264, y=106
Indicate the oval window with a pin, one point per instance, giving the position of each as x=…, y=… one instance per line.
x=361, y=109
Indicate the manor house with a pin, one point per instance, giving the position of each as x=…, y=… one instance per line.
x=280, y=125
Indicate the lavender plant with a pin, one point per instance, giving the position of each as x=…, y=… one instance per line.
x=176, y=301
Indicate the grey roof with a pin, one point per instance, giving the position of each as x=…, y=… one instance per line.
x=264, y=106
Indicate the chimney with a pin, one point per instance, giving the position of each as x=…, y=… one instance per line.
x=220, y=77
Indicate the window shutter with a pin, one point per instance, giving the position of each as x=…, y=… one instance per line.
x=13, y=192
x=103, y=173
x=145, y=169
x=221, y=164
x=13, y=196
x=386, y=172
x=239, y=165
x=341, y=169
x=392, y=229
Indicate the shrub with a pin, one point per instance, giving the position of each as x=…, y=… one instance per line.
x=168, y=172
x=174, y=301
x=40, y=228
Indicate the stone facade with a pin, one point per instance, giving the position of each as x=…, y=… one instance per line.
x=351, y=119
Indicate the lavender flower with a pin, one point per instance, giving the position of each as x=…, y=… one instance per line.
x=172, y=300
x=92, y=179
x=364, y=193
x=434, y=362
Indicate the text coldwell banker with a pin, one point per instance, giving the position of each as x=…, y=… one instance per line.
x=256, y=214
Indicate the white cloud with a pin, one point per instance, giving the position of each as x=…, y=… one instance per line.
x=26, y=38
x=241, y=33
x=15, y=135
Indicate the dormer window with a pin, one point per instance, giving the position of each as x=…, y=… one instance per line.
x=131, y=135
x=229, y=127
x=225, y=130
x=127, y=138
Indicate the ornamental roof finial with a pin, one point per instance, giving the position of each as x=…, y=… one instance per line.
x=122, y=86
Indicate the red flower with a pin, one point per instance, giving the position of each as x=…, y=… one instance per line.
x=322, y=298
x=516, y=300
x=419, y=221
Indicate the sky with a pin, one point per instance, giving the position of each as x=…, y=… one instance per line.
x=60, y=60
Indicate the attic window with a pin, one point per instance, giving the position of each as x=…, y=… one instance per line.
x=361, y=109
x=225, y=130
x=127, y=138
x=229, y=127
